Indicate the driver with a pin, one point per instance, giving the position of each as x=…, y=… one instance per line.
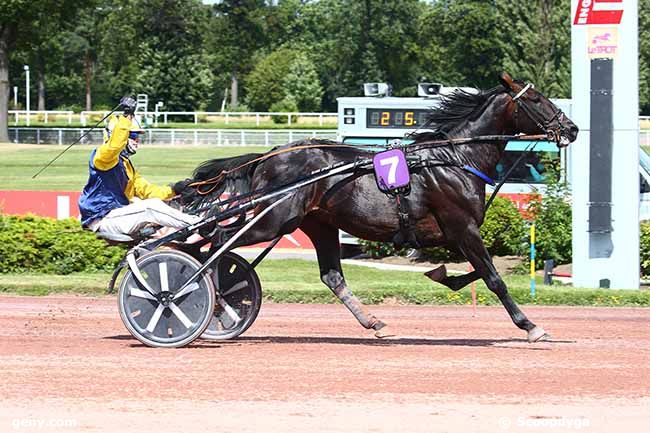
x=116, y=198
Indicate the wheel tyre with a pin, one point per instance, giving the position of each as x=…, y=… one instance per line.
x=174, y=326
x=238, y=286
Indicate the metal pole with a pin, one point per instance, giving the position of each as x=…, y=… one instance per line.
x=26, y=68
x=532, y=260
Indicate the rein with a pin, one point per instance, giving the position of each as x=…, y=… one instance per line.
x=216, y=180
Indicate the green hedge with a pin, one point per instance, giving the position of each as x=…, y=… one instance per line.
x=644, y=244
x=35, y=244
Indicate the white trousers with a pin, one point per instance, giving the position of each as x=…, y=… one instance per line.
x=133, y=217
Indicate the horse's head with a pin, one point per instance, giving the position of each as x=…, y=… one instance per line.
x=534, y=113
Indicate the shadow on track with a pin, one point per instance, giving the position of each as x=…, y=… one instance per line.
x=354, y=341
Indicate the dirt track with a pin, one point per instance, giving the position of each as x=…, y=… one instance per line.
x=67, y=364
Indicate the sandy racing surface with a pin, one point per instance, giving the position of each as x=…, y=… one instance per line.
x=68, y=364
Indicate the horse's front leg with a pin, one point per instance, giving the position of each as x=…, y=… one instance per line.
x=472, y=247
x=326, y=241
x=455, y=283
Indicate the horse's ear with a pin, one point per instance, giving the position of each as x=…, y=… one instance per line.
x=506, y=80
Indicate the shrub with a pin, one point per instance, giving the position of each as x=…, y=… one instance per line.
x=35, y=244
x=287, y=105
x=503, y=230
x=644, y=242
x=439, y=254
x=552, y=214
x=377, y=250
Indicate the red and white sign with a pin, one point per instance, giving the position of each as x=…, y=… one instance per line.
x=63, y=204
x=598, y=12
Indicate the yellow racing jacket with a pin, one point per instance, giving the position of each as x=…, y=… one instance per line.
x=113, y=180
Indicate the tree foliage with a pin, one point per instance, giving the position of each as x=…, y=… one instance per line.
x=286, y=73
x=303, y=52
x=537, y=45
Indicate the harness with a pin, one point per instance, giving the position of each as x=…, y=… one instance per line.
x=406, y=236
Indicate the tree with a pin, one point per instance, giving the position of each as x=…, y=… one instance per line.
x=266, y=81
x=459, y=44
x=302, y=85
x=158, y=47
x=86, y=39
x=238, y=31
x=536, y=45
x=19, y=22
x=192, y=78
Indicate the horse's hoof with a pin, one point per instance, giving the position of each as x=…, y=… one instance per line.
x=384, y=333
x=382, y=330
x=538, y=334
x=438, y=274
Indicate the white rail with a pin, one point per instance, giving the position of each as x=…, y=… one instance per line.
x=227, y=116
x=46, y=113
x=174, y=137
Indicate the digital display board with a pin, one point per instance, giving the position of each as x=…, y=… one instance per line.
x=395, y=118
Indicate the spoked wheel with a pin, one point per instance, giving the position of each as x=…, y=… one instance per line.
x=239, y=297
x=163, y=315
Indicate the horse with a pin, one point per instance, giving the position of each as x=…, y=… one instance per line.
x=445, y=206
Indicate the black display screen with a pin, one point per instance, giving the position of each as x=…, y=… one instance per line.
x=390, y=118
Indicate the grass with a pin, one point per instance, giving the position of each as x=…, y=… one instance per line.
x=302, y=285
x=158, y=164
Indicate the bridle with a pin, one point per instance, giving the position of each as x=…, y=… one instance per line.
x=555, y=132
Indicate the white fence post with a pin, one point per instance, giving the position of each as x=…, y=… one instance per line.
x=242, y=140
x=227, y=119
x=60, y=137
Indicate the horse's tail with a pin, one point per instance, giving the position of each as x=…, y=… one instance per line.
x=215, y=177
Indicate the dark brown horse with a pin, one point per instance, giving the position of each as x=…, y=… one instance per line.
x=446, y=205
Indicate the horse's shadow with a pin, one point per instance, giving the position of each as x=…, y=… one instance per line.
x=357, y=341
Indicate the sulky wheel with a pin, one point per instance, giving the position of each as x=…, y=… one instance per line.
x=239, y=297
x=161, y=315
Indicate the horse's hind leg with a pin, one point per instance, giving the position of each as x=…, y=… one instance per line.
x=326, y=241
x=473, y=249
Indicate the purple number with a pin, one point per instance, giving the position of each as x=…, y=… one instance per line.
x=391, y=169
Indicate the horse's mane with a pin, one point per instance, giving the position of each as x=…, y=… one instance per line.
x=454, y=109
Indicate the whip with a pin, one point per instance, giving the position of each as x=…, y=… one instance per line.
x=77, y=140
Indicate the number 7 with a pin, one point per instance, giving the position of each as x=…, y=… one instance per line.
x=393, y=161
